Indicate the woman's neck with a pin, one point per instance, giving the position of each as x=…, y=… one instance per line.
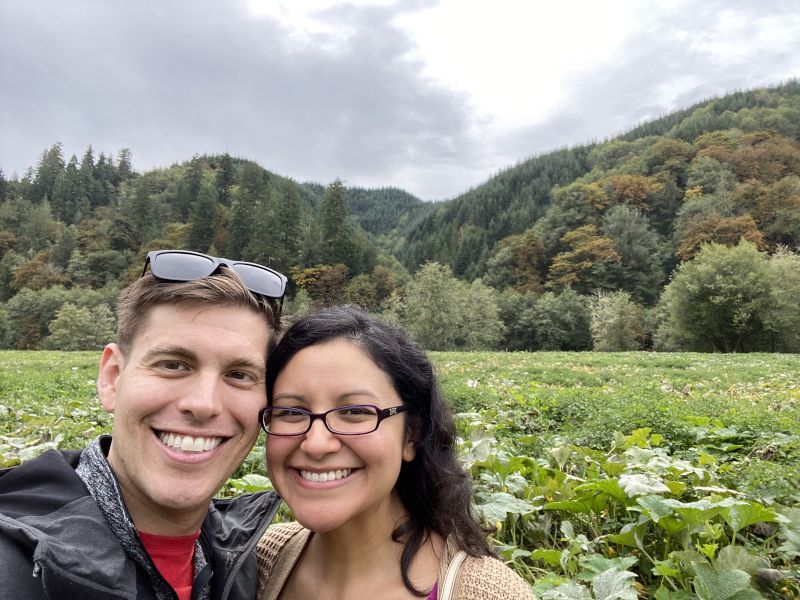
x=360, y=560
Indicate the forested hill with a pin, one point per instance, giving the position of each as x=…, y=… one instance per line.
x=650, y=168
x=531, y=259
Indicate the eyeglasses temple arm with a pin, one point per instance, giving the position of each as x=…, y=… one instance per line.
x=146, y=262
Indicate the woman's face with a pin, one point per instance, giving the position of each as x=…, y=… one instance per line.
x=360, y=471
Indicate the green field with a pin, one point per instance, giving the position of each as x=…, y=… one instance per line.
x=663, y=475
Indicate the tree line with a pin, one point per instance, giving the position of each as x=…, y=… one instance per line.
x=681, y=234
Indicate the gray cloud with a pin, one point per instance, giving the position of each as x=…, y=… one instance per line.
x=171, y=79
x=663, y=67
x=175, y=78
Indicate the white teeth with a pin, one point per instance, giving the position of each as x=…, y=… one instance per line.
x=327, y=476
x=187, y=443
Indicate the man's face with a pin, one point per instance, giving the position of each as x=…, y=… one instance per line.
x=185, y=399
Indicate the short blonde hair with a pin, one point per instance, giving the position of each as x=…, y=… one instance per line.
x=223, y=288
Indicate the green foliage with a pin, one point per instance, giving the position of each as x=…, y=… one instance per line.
x=729, y=300
x=658, y=509
x=618, y=215
x=203, y=219
x=616, y=322
x=444, y=313
x=639, y=270
x=81, y=328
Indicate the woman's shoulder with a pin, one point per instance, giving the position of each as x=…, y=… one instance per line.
x=277, y=551
x=487, y=578
x=276, y=537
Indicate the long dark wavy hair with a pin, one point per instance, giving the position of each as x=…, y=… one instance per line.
x=434, y=489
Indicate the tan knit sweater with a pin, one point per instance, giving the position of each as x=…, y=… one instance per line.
x=483, y=578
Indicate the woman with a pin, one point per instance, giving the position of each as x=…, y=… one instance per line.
x=361, y=447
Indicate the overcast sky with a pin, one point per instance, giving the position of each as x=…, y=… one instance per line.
x=433, y=96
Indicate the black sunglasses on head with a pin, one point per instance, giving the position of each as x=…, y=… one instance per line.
x=183, y=265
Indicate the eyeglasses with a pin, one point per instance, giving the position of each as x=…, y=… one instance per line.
x=183, y=265
x=356, y=419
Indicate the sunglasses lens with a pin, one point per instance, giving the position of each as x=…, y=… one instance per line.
x=178, y=266
x=260, y=280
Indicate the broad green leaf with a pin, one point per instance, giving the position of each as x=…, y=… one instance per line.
x=551, y=557
x=613, y=468
x=694, y=513
x=732, y=558
x=592, y=564
x=614, y=584
x=568, y=591
x=639, y=484
x=665, y=568
x=501, y=504
x=676, y=488
x=790, y=532
x=712, y=585
x=631, y=534
x=666, y=594
x=568, y=530
x=520, y=553
x=744, y=513
x=654, y=507
x=561, y=454
x=687, y=559
x=606, y=486
x=582, y=505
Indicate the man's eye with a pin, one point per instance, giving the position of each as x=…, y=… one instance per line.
x=172, y=365
x=242, y=376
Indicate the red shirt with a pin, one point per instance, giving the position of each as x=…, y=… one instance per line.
x=174, y=559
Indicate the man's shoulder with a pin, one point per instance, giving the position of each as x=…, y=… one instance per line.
x=41, y=485
x=237, y=520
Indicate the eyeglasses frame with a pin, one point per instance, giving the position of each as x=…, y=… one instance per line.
x=216, y=263
x=382, y=413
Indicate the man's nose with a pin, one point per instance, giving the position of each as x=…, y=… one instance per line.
x=202, y=400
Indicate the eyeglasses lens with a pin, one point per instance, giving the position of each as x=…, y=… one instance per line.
x=353, y=419
x=346, y=420
x=178, y=266
x=259, y=280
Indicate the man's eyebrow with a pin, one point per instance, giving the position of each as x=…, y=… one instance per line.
x=175, y=351
x=170, y=350
x=258, y=365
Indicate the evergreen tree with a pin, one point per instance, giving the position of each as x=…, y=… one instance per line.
x=188, y=190
x=125, y=164
x=287, y=227
x=90, y=187
x=251, y=191
x=50, y=166
x=203, y=218
x=639, y=268
x=337, y=232
x=224, y=179
x=68, y=202
x=105, y=175
x=139, y=207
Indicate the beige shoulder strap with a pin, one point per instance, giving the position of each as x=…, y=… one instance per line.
x=446, y=589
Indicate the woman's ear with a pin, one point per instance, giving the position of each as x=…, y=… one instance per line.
x=410, y=443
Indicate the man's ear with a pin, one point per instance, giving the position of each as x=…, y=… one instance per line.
x=110, y=368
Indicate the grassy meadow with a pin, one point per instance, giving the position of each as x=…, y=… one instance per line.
x=604, y=475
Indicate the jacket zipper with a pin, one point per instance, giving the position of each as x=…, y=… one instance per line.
x=253, y=541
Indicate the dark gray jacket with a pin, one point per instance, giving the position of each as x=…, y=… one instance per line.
x=55, y=542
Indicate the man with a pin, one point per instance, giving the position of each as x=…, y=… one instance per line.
x=131, y=516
